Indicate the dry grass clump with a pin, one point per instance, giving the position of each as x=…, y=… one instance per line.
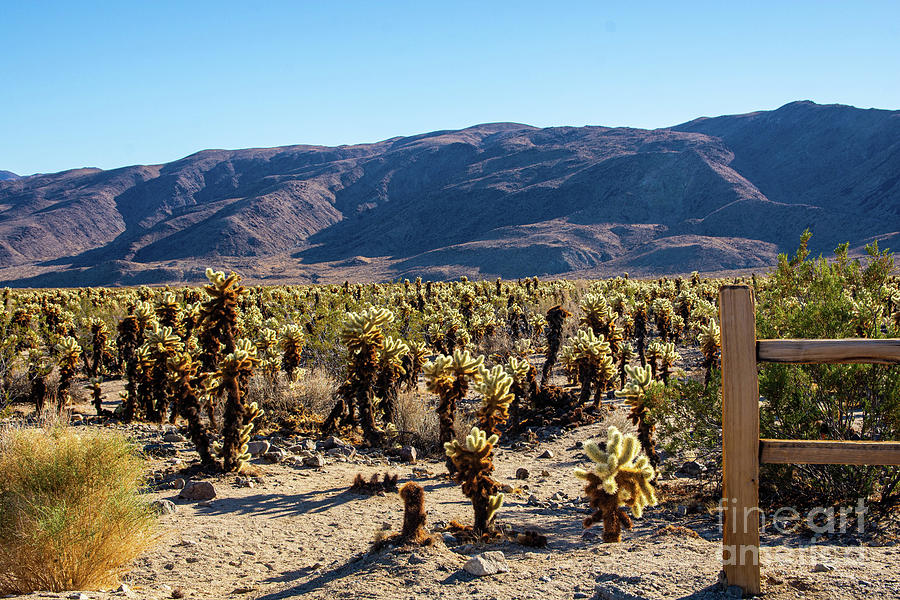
x=71, y=516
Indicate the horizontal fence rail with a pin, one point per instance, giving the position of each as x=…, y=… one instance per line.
x=885, y=352
x=828, y=452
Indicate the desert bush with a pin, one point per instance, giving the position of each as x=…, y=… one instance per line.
x=820, y=299
x=71, y=515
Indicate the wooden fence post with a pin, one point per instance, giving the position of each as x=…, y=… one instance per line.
x=740, y=439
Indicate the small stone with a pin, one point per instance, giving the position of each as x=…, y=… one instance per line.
x=79, y=596
x=126, y=591
x=545, y=473
x=533, y=500
x=243, y=590
x=408, y=454
x=164, y=507
x=421, y=472
x=275, y=455
x=545, y=578
x=449, y=539
x=257, y=447
x=173, y=437
x=178, y=593
x=822, y=568
x=160, y=450
x=178, y=483
x=486, y=563
x=317, y=461
x=692, y=468
x=580, y=595
x=522, y=473
x=546, y=454
x=169, y=566
x=303, y=446
x=329, y=443
x=416, y=559
x=507, y=489
x=198, y=490
x=205, y=503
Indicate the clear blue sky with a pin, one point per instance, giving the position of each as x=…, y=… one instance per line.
x=130, y=81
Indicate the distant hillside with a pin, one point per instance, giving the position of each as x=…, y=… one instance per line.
x=499, y=199
x=7, y=175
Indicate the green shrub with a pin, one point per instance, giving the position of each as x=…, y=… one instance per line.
x=821, y=299
x=71, y=516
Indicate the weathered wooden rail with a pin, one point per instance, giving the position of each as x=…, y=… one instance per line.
x=743, y=450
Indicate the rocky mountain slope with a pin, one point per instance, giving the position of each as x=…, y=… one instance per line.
x=499, y=199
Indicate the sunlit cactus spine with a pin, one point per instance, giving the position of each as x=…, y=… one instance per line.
x=592, y=355
x=635, y=394
x=619, y=479
x=473, y=467
x=161, y=344
x=448, y=377
x=167, y=312
x=494, y=386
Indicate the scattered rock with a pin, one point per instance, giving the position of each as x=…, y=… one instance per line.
x=329, y=443
x=408, y=454
x=275, y=455
x=692, y=468
x=126, y=591
x=822, y=568
x=533, y=500
x=164, y=507
x=546, y=454
x=487, y=563
x=522, y=473
x=580, y=595
x=79, y=596
x=160, y=450
x=173, y=437
x=317, y=461
x=177, y=484
x=303, y=446
x=178, y=593
x=258, y=447
x=507, y=489
x=416, y=559
x=198, y=490
x=449, y=539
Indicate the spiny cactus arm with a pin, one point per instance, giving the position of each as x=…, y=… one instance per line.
x=495, y=502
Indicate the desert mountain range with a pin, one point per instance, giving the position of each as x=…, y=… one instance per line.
x=498, y=199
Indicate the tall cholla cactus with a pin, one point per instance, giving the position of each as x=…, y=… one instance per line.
x=617, y=481
x=473, y=468
x=523, y=388
x=167, y=312
x=655, y=351
x=595, y=365
x=709, y=345
x=364, y=339
x=184, y=383
x=292, y=342
x=556, y=318
x=448, y=377
x=595, y=310
x=238, y=417
x=267, y=348
x=639, y=314
x=494, y=387
x=390, y=370
x=635, y=395
x=667, y=360
x=413, y=363
x=69, y=354
x=161, y=344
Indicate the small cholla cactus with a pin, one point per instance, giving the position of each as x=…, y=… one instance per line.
x=96, y=393
x=184, y=383
x=494, y=386
x=556, y=317
x=390, y=371
x=595, y=366
x=413, y=362
x=473, y=468
x=635, y=395
x=238, y=417
x=618, y=480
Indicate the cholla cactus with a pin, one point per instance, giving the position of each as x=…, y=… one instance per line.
x=494, y=386
x=618, y=480
x=218, y=315
x=390, y=370
x=184, y=383
x=595, y=366
x=413, y=363
x=69, y=354
x=639, y=314
x=663, y=312
x=167, y=311
x=364, y=339
x=161, y=344
x=292, y=342
x=667, y=360
x=596, y=312
x=96, y=393
x=556, y=318
x=709, y=345
x=635, y=395
x=523, y=388
x=238, y=417
x=655, y=351
x=448, y=377
x=473, y=468
x=267, y=349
